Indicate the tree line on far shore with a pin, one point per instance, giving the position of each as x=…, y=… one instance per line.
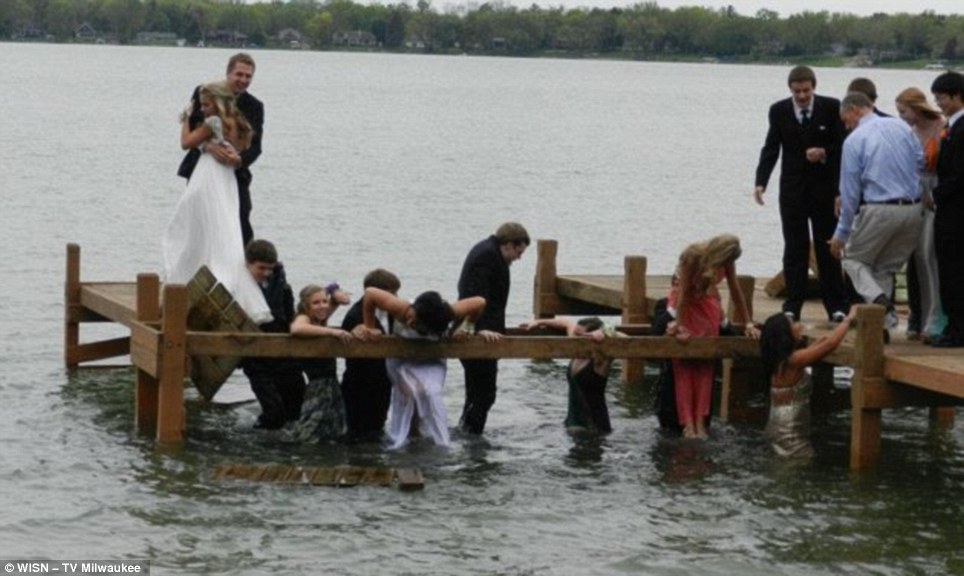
x=644, y=30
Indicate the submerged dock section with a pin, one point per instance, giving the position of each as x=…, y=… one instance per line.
x=165, y=350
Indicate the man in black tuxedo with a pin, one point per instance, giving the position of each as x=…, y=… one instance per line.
x=948, y=90
x=867, y=87
x=239, y=75
x=365, y=385
x=807, y=130
x=485, y=273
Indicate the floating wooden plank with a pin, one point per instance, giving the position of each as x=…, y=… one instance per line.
x=322, y=477
x=409, y=479
x=344, y=476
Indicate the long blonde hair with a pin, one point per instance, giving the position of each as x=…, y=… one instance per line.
x=227, y=110
x=698, y=265
x=916, y=100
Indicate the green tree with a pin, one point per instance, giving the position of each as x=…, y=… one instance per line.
x=318, y=28
x=807, y=33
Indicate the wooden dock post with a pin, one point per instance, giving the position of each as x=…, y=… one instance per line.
x=867, y=380
x=72, y=306
x=942, y=417
x=740, y=375
x=171, y=365
x=146, y=391
x=635, y=311
x=544, y=297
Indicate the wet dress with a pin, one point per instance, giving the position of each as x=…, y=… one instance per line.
x=323, y=410
x=587, y=400
x=788, y=428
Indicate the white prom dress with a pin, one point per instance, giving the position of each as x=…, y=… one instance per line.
x=417, y=387
x=205, y=230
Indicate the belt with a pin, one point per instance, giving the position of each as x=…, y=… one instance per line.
x=901, y=202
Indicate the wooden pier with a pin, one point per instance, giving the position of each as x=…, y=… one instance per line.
x=164, y=350
x=895, y=375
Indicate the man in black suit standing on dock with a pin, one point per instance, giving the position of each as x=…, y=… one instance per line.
x=486, y=273
x=948, y=90
x=807, y=129
x=240, y=73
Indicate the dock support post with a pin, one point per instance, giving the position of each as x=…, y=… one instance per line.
x=171, y=372
x=72, y=306
x=739, y=375
x=868, y=373
x=146, y=391
x=942, y=417
x=544, y=294
x=635, y=311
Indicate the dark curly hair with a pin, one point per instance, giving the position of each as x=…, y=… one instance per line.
x=432, y=314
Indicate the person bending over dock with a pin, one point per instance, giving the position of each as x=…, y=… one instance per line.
x=694, y=302
x=364, y=384
x=587, y=377
x=417, y=385
x=485, y=273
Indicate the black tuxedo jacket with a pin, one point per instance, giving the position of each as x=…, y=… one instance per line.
x=253, y=111
x=787, y=136
x=355, y=316
x=486, y=273
x=950, y=167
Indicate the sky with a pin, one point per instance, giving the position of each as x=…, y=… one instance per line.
x=788, y=7
x=750, y=7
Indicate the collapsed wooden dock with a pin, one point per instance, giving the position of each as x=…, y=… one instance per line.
x=165, y=350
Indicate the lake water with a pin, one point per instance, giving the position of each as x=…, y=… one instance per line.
x=405, y=162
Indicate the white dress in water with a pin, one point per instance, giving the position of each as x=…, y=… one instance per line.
x=416, y=384
x=206, y=231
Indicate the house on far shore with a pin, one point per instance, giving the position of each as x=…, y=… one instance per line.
x=354, y=38
x=288, y=35
x=157, y=38
x=85, y=33
x=226, y=38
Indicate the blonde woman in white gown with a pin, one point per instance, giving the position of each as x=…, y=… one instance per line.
x=204, y=230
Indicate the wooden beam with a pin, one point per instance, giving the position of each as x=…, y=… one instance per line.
x=582, y=290
x=545, y=302
x=71, y=303
x=868, y=376
x=883, y=393
x=170, y=402
x=942, y=417
x=100, y=299
x=145, y=354
x=635, y=310
x=78, y=314
x=936, y=373
x=100, y=350
x=747, y=286
x=146, y=343
x=281, y=345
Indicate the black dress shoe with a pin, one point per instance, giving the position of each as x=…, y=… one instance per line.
x=948, y=341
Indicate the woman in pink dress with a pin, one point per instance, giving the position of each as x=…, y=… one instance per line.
x=694, y=301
